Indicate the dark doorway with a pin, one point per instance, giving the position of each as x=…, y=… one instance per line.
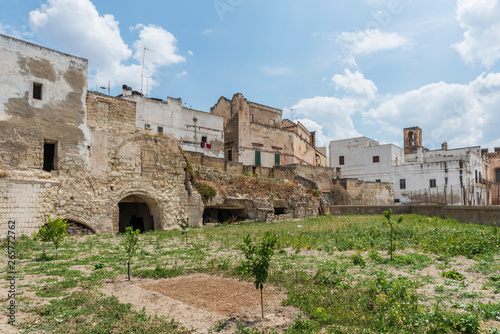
x=223, y=215
x=49, y=156
x=279, y=211
x=134, y=212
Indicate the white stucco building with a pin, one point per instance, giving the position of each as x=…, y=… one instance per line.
x=196, y=131
x=419, y=175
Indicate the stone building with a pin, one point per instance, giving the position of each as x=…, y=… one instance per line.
x=255, y=135
x=196, y=131
x=76, y=154
x=445, y=176
x=493, y=176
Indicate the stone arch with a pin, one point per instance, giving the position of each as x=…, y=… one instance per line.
x=137, y=209
x=77, y=226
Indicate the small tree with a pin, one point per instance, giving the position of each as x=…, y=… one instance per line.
x=391, y=222
x=54, y=231
x=184, y=224
x=258, y=257
x=130, y=243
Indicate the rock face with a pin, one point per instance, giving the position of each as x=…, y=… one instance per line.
x=243, y=197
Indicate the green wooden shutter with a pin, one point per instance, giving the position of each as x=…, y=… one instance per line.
x=277, y=159
x=257, y=158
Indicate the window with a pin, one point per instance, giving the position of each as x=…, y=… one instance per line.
x=376, y=159
x=396, y=200
x=498, y=174
x=402, y=183
x=378, y=180
x=277, y=159
x=341, y=160
x=251, y=118
x=37, y=91
x=257, y=158
x=49, y=156
x=432, y=183
x=476, y=175
x=204, y=139
x=160, y=129
x=480, y=178
x=229, y=155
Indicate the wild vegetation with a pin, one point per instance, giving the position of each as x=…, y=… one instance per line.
x=444, y=276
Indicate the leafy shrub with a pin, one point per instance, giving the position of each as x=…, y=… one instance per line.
x=54, y=231
x=453, y=274
x=206, y=192
x=357, y=260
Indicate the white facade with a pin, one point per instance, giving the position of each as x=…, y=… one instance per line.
x=439, y=176
x=191, y=127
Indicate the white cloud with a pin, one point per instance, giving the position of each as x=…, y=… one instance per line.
x=77, y=26
x=481, y=40
x=181, y=74
x=354, y=84
x=276, y=71
x=462, y=115
x=335, y=114
x=191, y=53
x=368, y=41
x=207, y=31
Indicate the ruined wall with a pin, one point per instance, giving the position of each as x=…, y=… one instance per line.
x=357, y=192
x=494, y=177
x=322, y=176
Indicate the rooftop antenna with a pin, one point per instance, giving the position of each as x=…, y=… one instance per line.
x=142, y=74
x=294, y=114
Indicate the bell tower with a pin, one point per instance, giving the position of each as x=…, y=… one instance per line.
x=412, y=139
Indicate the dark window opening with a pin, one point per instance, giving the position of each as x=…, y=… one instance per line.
x=376, y=158
x=279, y=211
x=432, y=183
x=216, y=215
x=378, y=180
x=204, y=139
x=49, y=156
x=229, y=155
x=402, y=184
x=341, y=160
x=160, y=129
x=37, y=91
x=497, y=171
x=476, y=176
x=396, y=200
x=480, y=178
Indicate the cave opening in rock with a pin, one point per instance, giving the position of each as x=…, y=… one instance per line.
x=221, y=215
x=135, y=212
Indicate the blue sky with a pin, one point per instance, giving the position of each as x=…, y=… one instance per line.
x=346, y=68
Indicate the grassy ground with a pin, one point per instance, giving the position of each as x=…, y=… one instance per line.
x=444, y=277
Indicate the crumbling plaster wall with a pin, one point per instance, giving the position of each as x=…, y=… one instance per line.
x=100, y=158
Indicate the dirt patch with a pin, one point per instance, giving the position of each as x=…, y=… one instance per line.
x=203, y=301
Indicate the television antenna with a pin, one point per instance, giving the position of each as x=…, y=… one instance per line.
x=293, y=113
x=142, y=73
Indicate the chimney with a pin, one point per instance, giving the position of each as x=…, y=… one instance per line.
x=127, y=91
x=444, y=146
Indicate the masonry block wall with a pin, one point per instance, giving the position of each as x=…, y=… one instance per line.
x=76, y=155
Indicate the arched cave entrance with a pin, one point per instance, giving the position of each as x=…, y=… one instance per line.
x=137, y=211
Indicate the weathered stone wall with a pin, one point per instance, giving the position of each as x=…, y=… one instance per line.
x=100, y=160
x=357, y=192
